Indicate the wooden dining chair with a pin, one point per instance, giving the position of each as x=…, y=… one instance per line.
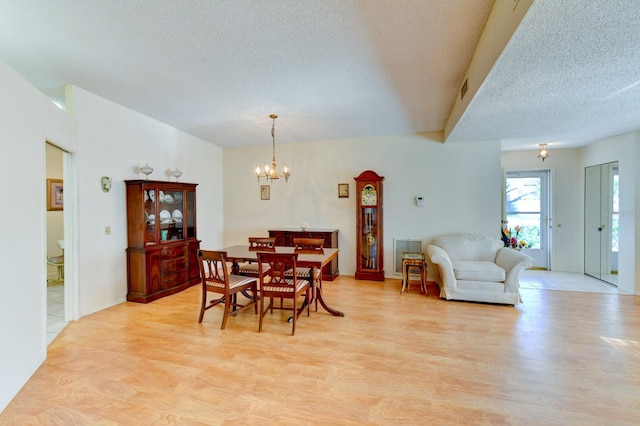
x=308, y=246
x=274, y=285
x=250, y=269
x=217, y=279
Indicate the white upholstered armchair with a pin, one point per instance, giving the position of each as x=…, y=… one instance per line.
x=478, y=268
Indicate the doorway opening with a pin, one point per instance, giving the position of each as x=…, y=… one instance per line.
x=527, y=213
x=56, y=318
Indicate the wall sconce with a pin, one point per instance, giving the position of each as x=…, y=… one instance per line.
x=543, y=152
x=105, y=182
x=176, y=173
x=147, y=170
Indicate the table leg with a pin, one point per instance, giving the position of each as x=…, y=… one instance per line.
x=316, y=295
x=424, y=278
x=235, y=268
x=405, y=276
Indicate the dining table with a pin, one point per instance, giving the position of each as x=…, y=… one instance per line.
x=244, y=253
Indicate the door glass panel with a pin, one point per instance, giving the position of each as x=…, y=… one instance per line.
x=191, y=214
x=369, y=241
x=150, y=216
x=171, y=215
x=524, y=209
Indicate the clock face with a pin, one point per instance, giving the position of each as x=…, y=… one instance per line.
x=369, y=196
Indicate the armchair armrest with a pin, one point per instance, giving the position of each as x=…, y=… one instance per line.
x=513, y=262
x=440, y=258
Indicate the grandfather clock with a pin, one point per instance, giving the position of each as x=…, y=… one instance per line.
x=369, y=247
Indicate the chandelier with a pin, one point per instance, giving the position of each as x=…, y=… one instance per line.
x=543, y=152
x=270, y=171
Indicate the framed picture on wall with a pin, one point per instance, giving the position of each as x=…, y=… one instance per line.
x=265, y=192
x=343, y=190
x=55, y=194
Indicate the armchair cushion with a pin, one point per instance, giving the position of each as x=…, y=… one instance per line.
x=474, y=270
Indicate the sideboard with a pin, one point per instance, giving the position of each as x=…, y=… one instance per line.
x=285, y=236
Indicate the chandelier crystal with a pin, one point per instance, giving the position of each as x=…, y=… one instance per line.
x=270, y=171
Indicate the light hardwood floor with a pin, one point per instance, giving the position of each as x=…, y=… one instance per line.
x=564, y=358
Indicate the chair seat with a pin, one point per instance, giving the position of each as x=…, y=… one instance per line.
x=302, y=272
x=234, y=281
x=300, y=285
x=251, y=269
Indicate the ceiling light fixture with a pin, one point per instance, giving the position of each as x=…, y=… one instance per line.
x=543, y=152
x=270, y=172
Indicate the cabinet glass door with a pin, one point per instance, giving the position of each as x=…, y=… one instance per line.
x=150, y=216
x=369, y=238
x=170, y=215
x=191, y=214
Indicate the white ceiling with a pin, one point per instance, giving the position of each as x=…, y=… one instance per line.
x=334, y=69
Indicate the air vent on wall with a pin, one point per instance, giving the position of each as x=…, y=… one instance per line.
x=463, y=89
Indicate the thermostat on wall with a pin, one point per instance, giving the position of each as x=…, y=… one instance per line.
x=419, y=201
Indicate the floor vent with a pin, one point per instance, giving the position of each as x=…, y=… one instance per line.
x=400, y=245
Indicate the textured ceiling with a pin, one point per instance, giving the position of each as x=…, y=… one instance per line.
x=570, y=74
x=335, y=69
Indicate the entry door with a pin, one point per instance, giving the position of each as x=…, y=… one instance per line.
x=527, y=207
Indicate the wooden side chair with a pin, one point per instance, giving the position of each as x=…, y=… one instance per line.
x=250, y=269
x=308, y=246
x=275, y=285
x=216, y=279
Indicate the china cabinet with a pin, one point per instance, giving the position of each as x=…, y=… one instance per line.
x=369, y=238
x=162, y=252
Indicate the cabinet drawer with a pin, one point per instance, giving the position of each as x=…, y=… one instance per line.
x=169, y=266
x=173, y=279
x=174, y=252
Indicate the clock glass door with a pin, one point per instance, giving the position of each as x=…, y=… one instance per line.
x=369, y=258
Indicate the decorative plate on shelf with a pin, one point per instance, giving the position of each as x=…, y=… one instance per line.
x=161, y=196
x=165, y=216
x=176, y=215
x=167, y=198
x=152, y=195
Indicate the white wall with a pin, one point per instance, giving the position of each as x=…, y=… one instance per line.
x=114, y=141
x=104, y=139
x=459, y=182
x=566, y=205
x=27, y=120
